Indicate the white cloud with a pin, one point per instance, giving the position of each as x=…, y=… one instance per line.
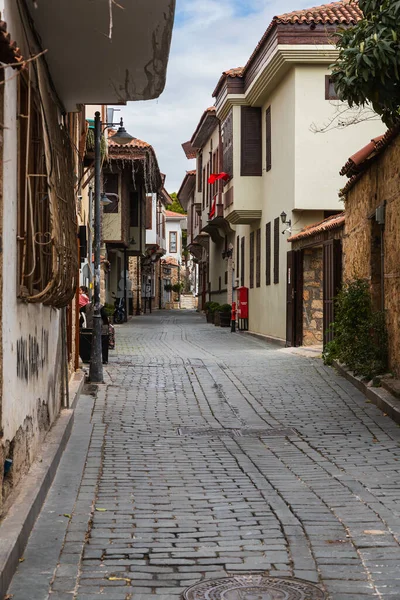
x=209, y=37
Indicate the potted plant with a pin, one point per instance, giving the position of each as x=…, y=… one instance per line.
x=212, y=311
x=225, y=312
x=168, y=287
x=207, y=311
x=216, y=314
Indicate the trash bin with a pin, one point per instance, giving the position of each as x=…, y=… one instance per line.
x=85, y=345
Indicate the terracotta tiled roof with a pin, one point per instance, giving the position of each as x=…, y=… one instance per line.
x=135, y=143
x=334, y=13
x=193, y=172
x=9, y=51
x=333, y=222
x=236, y=72
x=170, y=213
x=361, y=160
x=356, y=162
x=189, y=150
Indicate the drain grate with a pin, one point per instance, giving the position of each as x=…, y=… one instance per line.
x=235, y=432
x=254, y=587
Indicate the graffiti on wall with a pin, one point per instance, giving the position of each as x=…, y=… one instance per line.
x=32, y=355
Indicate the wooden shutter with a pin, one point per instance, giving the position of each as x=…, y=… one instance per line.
x=242, y=262
x=208, y=185
x=250, y=146
x=204, y=188
x=149, y=212
x=252, y=259
x=268, y=253
x=227, y=144
x=276, y=250
x=268, y=139
x=237, y=256
x=199, y=172
x=258, y=258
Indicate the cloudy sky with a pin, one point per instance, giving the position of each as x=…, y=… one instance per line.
x=210, y=36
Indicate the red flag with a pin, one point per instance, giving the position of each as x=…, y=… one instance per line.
x=213, y=208
x=216, y=176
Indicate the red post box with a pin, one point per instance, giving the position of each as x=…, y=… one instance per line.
x=243, y=307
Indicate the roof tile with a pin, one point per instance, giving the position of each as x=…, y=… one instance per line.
x=333, y=222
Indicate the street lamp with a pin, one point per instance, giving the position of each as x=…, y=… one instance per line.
x=120, y=137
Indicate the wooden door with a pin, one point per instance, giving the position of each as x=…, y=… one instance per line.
x=294, y=298
x=332, y=280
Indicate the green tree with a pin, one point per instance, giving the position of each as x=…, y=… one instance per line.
x=176, y=205
x=367, y=69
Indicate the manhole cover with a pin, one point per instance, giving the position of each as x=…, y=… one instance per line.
x=254, y=587
x=236, y=432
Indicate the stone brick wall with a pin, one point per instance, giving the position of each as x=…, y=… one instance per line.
x=312, y=297
x=379, y=184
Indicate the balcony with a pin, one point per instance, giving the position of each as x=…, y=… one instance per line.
x=217, y=227
x=239, y=212
x=101, y=52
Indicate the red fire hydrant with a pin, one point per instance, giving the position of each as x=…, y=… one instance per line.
x=233, y=318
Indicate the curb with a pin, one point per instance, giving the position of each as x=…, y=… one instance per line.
x=383, y=399
x=20, y=519
x=265, y=338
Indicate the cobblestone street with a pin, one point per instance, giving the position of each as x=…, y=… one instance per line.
x=209, y=453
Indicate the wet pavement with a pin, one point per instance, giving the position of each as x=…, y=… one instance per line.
x=208, y=454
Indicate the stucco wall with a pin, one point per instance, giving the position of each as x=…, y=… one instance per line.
x=379, y=184
x=320, y=156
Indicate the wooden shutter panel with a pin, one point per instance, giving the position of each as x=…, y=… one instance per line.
x=252, y=259
x=276, y=250
x=268, y=254
x=250, y=148
x=242, y=262
x=268, y=138
x=237, y=256
x=149, y=212
x=227, y=137
x=199, y=172
x=258, y=258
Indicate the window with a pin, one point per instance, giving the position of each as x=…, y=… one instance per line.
x=219, y=283
x=149, y=212
x=173, y=241
x=252, y=259
x=242, y=262
x=250, y=141
x=258, y=258
x=226, y=278
x=204, y=188
x=134, y=209
x=330, y=92
x=110, y=186
x=199, y=172
x=35, y=252
x=208, y=185
x=276, y=250
x=268, y=139
x=237, y=256
x=227, y=144
x=268, y=253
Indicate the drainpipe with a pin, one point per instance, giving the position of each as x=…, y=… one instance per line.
x=125, y=299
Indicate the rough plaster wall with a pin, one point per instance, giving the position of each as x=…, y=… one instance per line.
x=312, y=297
x=381, y=183
x=30, y=334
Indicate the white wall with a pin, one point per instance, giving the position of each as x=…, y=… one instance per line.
x=320, y=156
x=174, y=224
x=29, y=379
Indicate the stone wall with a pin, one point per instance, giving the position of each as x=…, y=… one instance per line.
x=379, y=184
x=313, y=296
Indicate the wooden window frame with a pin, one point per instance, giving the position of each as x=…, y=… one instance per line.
x=176, y=242
x=112, y=208
x=199, y=172
x=328, y=83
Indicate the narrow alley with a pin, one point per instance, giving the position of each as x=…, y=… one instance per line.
x=209, y=454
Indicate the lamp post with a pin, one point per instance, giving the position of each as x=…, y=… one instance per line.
x=120, y=137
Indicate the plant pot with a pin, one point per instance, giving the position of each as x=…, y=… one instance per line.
x=225, y=319
x=210, y=317
x=217, y=320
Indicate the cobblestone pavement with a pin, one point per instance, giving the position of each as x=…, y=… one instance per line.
x=305, y=483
